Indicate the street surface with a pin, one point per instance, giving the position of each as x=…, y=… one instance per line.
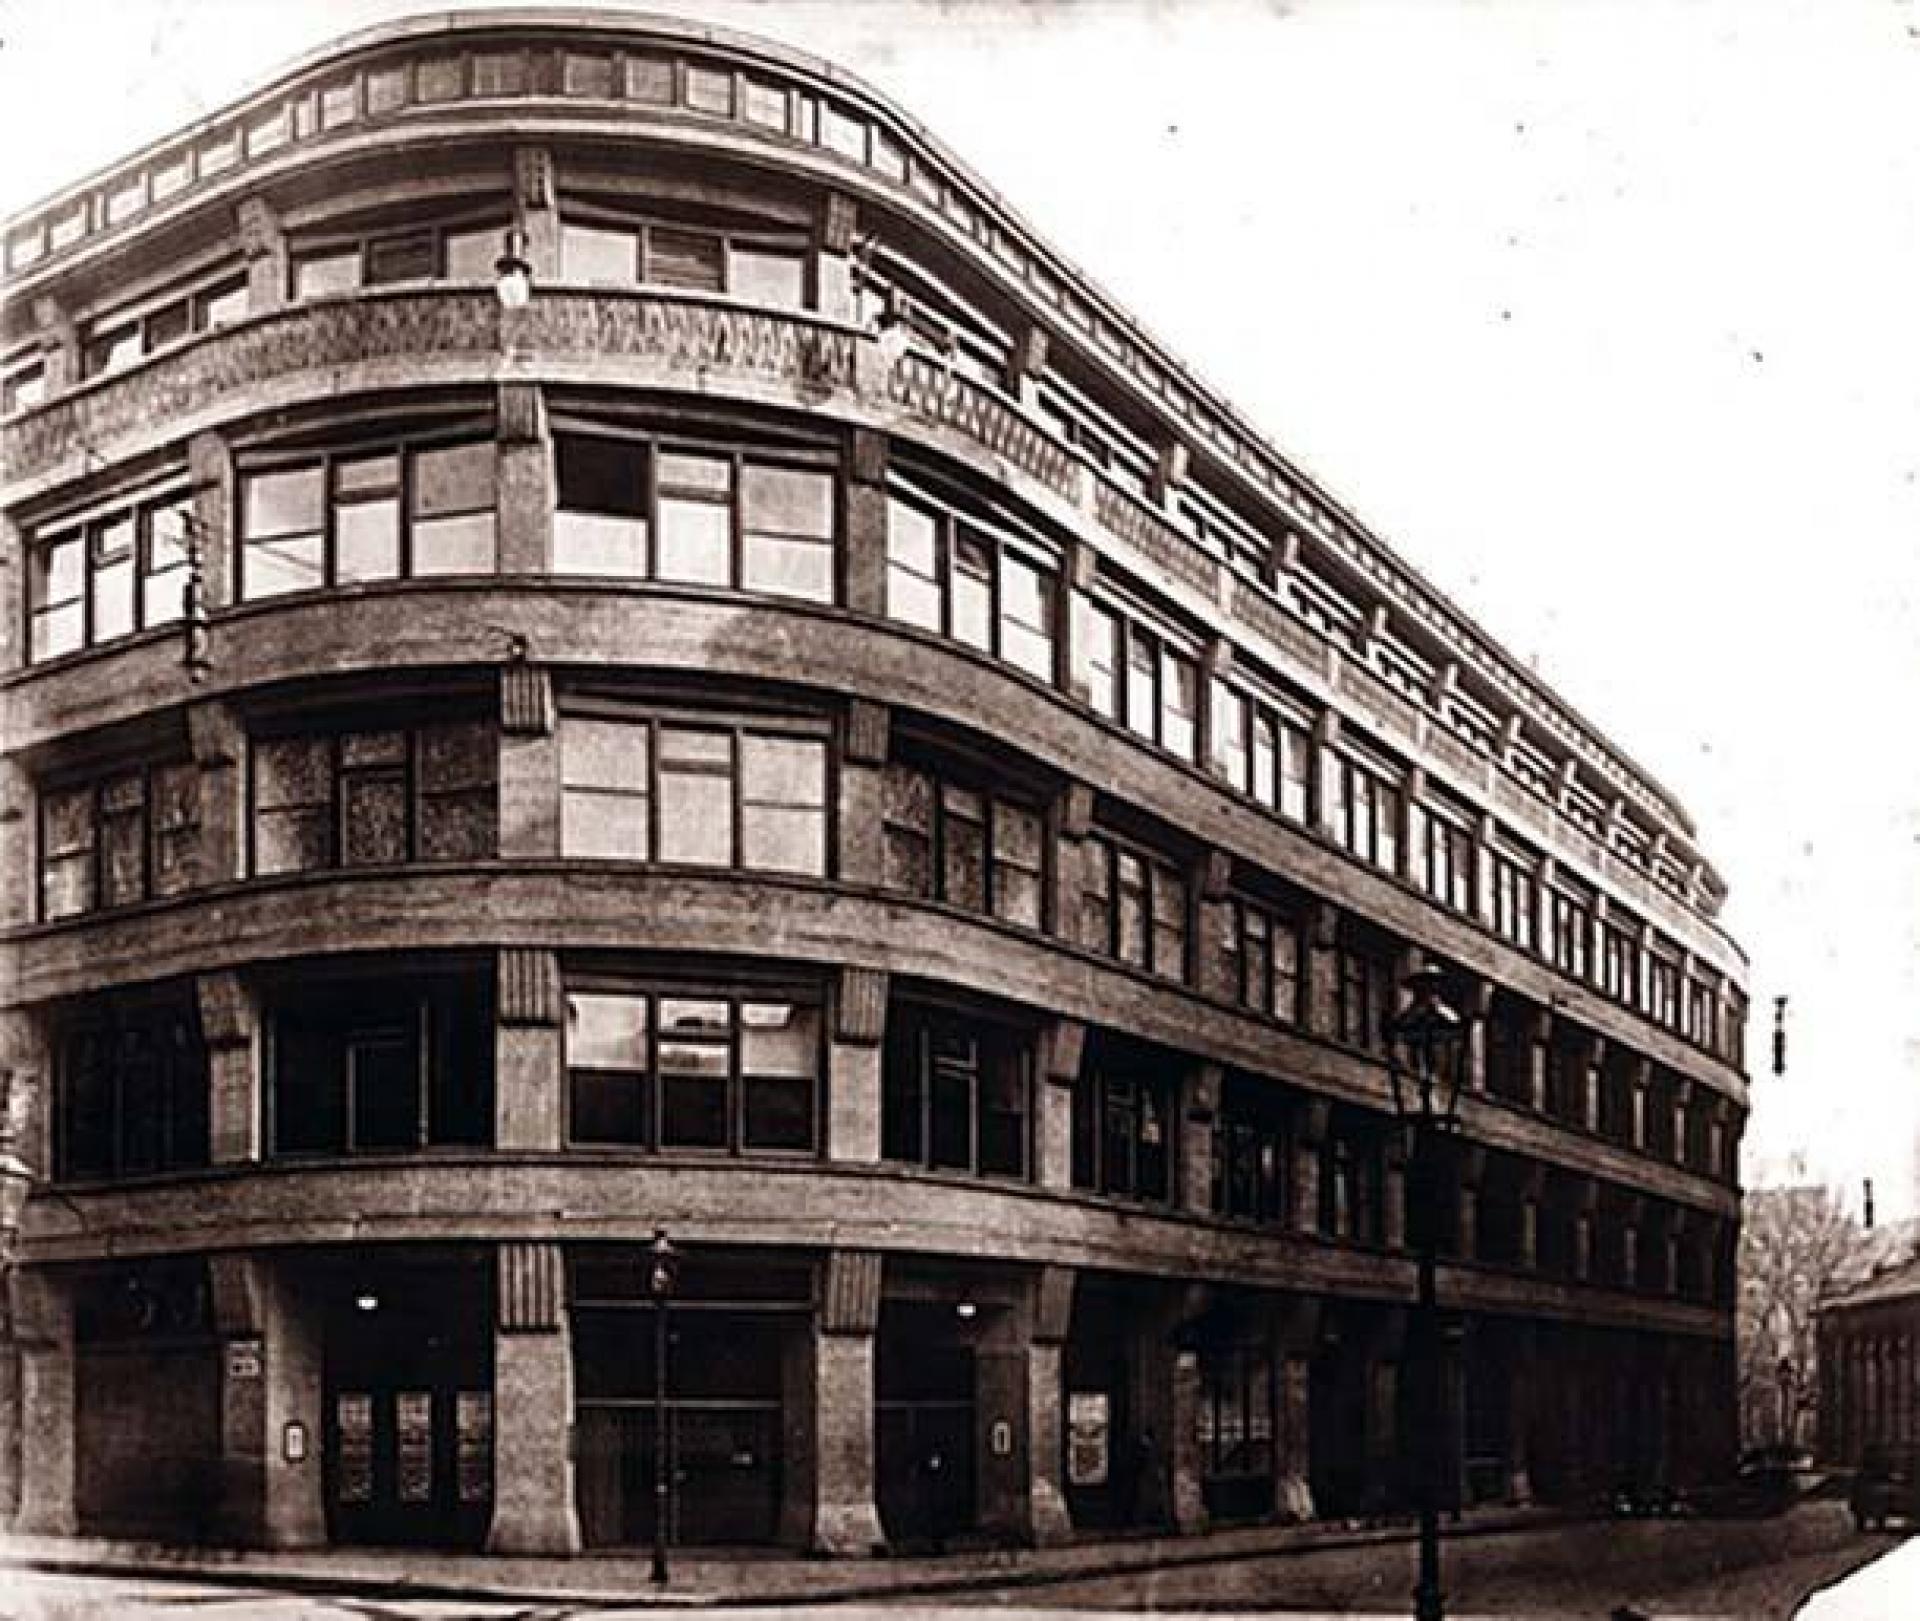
x=1755, y=1570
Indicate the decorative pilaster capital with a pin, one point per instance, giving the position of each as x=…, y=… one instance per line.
x=868, y=724
x=527, y=983
x=258, y=227
x=860, y=1006
x=532, y=1288
x=533, y=177
x=838, y=222
x=850, y=1292
x=1061, y=1044
x=228, y=1016
x=867, y=456
x=1052, y=1304
x=521, y=414
x=526, y=700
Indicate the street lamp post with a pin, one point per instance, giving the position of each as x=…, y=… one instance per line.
x=663, y=1274
x=1425, y=1048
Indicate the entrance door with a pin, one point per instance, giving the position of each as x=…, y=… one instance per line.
x=409, y=1424
x=924, y=1441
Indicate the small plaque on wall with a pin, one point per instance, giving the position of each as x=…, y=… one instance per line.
x=246, y=1359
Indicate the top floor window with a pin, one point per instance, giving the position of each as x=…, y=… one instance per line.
x=120, y=338
x=754, y=266
x=1118, y=452
x=463, y=251
x=632, y=509
x=1263, y=751
x=1662, y=990
x=970, y=847
x=91, y=581
x=963, y=578
x=892, y=292
x=349, y=517
x=22, y=387
x=1366, y=811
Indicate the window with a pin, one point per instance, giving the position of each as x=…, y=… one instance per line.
x=1663, y=990
x=1352, y=1179
x=107, y=576
x=365, y=1065
x=1136, y=676
x=130, y=1093
x=1234, y=1423
x=1514, y=891
x=1124, y=1121
x=1366, y=812
x=966, y=846
x=464, y=251
x=755, y=267
x=713, y=795
x=955, y=1092
x=630, y=509
x=693, y=1068
x=375, y=797
x=1263, y=751
x=1133, y=906
x=1252, y=1145
x=350, y=517
x=942, y=326
x=1619, y=962
x=123, y=337
x=1443, y=857
x=1113, y=448
x=1262, y=947
x=23, y=387
x=959, y=578
x=1570, y=927
x=1363, y=995
x=118, y=839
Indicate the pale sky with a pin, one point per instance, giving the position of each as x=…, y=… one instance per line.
x=1605, y=315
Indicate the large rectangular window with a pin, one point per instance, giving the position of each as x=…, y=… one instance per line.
x=350, y=517
x=109, y=575
x=1262, y=949
x=729, y=1071
x=390, y=1064
x=1353, y=1178
x=465, y=250
x=756, y=267
x=1264, y=751
x=118, y=839
x=130, y=1091
x=375, y=797
x=697, y=793
x=967, y=846
x=1570, y=927
x=120, y=338
x=1133, y=906
x=1366, y=811
x=1515, y=892
x=1363, y=995
x=1137, y=676
x=1443, y=856
x=964, y=578
x=631, y=508
x=1125, y=1125
x=956, y=1092
x=1252, y=1148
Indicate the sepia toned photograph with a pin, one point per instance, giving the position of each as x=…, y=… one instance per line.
x=1073, y=808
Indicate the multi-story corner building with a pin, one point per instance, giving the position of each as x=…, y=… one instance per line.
x=785, y=717
x=1870, y=1365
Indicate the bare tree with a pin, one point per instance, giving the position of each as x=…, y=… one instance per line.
x=1797, y=1245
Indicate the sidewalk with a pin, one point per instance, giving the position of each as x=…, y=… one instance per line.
x=707, y=1578
x=1886, y=1590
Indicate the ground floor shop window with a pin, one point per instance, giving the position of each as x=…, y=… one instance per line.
x=1234, y=1430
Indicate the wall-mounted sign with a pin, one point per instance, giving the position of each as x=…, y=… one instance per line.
x=1000, y=1439
x=1089, y=1438
x=246, y=1359
x=293, y=1441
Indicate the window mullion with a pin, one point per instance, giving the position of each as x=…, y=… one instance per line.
x=422, y=1070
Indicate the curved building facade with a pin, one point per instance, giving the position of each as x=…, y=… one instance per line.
x=792, y=722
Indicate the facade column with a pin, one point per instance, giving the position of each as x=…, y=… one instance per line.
x=1383, y=1353
x=43, y=1333
x=865, y=584
x=59, y=336
x=1522, y=1385
x=1394, y=1192
x=1479, y=1010
x=1216, y=950
x=215, y=492
x=1199, y=1110
x=1587, y=1059
x=1061, y=1043
x=18, y=880
x=839, y=1418
x=534, y=211
x=529, y=762
x=1051, y=1317
x=230, y=1029
x=529, y=1051
x=1322, y=942
x=1586, y=1199
x=1531, y=1189
x=270, y=1404
x=1539, y=1032
x=861, y=822
x=1309, y=1138
x=835, y=227
x=1470, y=1170
x=1297, y=1331
x=219, y=744
x=1639, y=1078
x=535, y=1508
x=524, y=456
x=1071, y=817
x=854, y=1059
x=263, y=244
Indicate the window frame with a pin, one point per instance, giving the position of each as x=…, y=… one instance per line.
x=109, y=1020
x=1358, y=783
x=191, y=300
x=1124, y=1085
x=1247, y=918
x=994, y=1041
x=83, y=528
x=653, y=991
x=937, y=782
x=738, y=728
x=771, y=238
x=1106, y=850
x=364, y=242
x=152, y=833
x=406, y=448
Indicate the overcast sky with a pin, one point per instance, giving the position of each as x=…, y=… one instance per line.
x=1606, y=315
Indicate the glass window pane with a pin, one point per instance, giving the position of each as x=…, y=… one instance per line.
x=695, y=542
x=685, y=259
x=373, y=818
x=787, y=501
x=402, y=258
x=778, y=839
x=113, y=546
x=603, y=753
x=604, y=826
x=1179, y=684
x=762, y=277
x=1143, y=699
x=472, y=254
x=601, y=475
x=788, y=568
x=696, y=797
x=454, y=545
x=777, y=1114
x=685, y=473
x=710, y=90
x=599, y=547
x=320, y=274
x=284, y=503
x=783, y=770
x=291, y=841
x=606, y=1030
x=292, y=771
x=455, y=478
x=971, y=582
x=273, y=568
x=367, y=475
x=912, y=539
x=590, y=253
x=779, y=1038
x=366, y=541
